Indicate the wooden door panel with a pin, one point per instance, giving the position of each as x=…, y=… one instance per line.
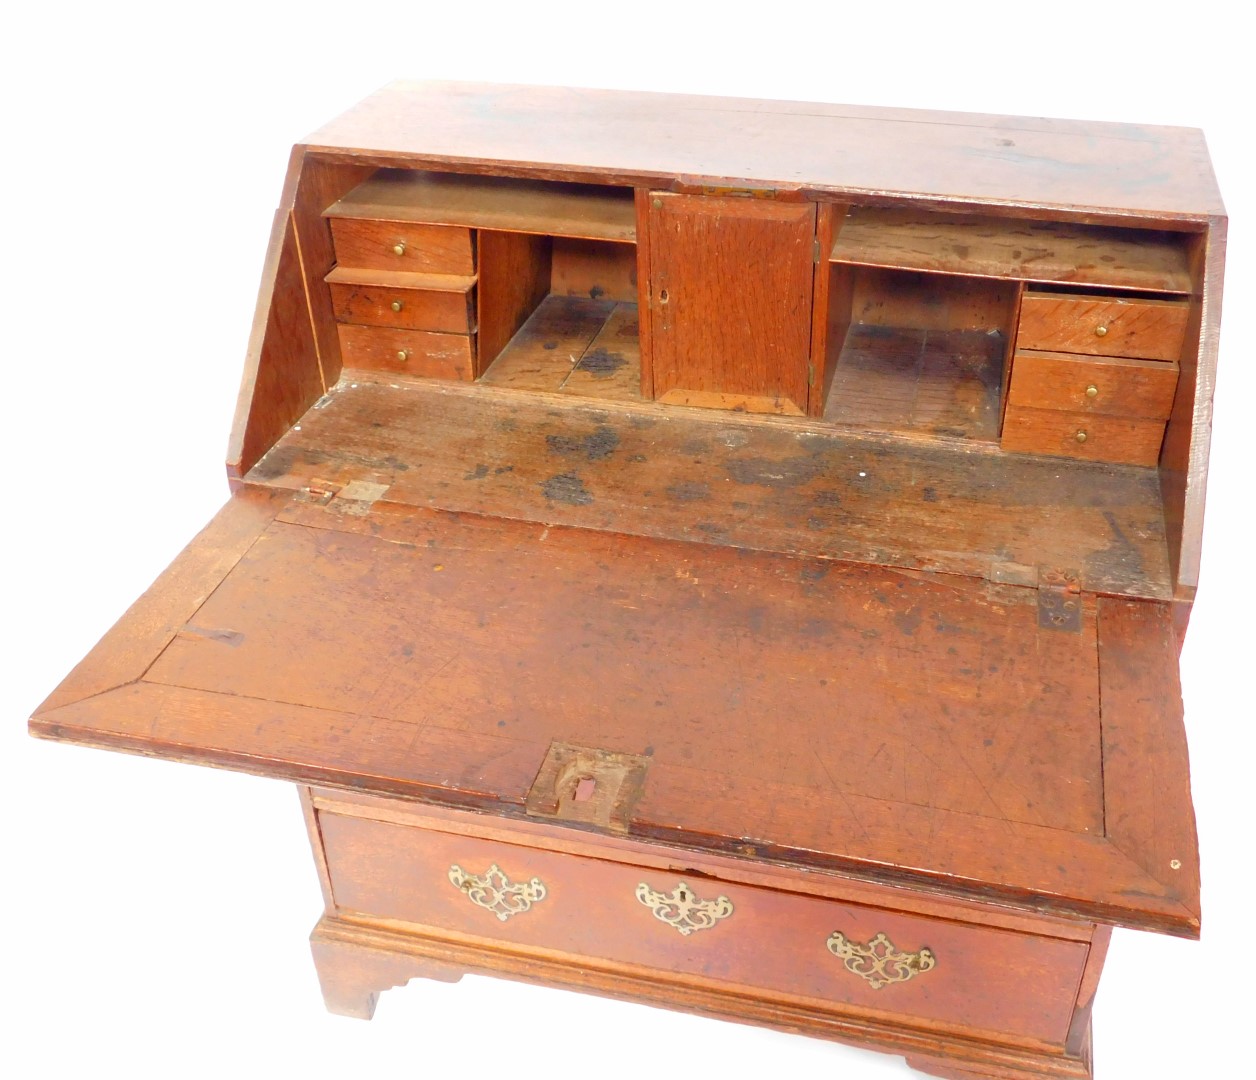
x=730, y=296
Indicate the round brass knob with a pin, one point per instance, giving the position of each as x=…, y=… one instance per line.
x=658, y=204
x=403, y=354
x=1080, y=436
x=395, y=305
x=399, y=249
x=1092, y=391
x=1101, y=331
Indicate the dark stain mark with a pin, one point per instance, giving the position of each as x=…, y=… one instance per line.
x=501, y=723
x=1005, y=142
x=930, y=494
x=961, y=250
x=566, y=488
x=224, y=637
x=789, y=473
x=407, y=650
x=550, y=346
x=597, y=292
x=816, y=522
x=507, y=424
x=817, y=628
x=689, y=491
x=815, y=572
x=907, y=621
x=870, y=635
x=713, y=530
x=597, y=445
x=636, y=459
x=503, y=469
x=478, y=473
x=828, y=498
x=987, y=742
x=648, y=752
x=695, y=446
x=641, y=423
x=601, y=363
x=741, y=506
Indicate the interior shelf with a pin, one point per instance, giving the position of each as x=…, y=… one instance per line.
x=540, y=207
x=574, y=345
x=1040, y=251
x=932, y=382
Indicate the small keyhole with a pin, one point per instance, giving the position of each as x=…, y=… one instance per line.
x=663, y=296
x=585, y=787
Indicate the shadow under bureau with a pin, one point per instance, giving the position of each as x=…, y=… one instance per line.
x=729, y=555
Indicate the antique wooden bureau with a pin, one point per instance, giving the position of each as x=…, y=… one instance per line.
x=725, y=554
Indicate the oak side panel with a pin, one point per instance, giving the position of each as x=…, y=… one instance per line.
x=732, y=281
x=281, y=371
x=645, y=313
x=1184, y=456
x=514, y=279
x=829, y=218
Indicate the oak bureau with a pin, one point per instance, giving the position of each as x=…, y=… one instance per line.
x=724, y=554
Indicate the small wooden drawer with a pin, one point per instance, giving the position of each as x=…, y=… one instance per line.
x=788, y=946
x=407, y=352
x=440, y=302
x=404, y=246
x=1102, y=325
x=1106, y=385
x=1121, y=440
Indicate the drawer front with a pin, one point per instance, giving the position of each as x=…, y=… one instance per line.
x=1120, y=440
x=1109, y=386
x=407, y=352
x=1102, y=325
x=451, y=312
x=856, y=957
x=403, y=246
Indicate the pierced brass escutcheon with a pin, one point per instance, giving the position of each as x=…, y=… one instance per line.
x=879, y=961
x=493, y=891
x=682, y=909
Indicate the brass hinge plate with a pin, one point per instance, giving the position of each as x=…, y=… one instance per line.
x=1060, y=600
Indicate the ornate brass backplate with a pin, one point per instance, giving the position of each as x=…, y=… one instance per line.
x=493, y=891
x=879, y=961
x=683, y=910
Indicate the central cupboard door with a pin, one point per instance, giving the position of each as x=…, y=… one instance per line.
x=730, y=301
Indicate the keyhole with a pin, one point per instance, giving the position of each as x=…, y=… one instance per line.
x=663, y=296
x=585, y=787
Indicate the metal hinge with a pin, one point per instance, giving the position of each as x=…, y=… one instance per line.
x=1060, y=600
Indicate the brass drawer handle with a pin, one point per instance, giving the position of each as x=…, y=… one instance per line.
x=879, y=961
x=403, y=354
x=396, y=305
x=493, y=891
x=682, y=909
x=1081, y=436
x=399, y=248
x=1092, y=391
x=1101, y=331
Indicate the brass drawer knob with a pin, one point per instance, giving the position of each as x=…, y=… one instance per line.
x=879, y=962
x=403, y=355
x=395, y=305
x=1092, y=391
x=1101, y=331
x=1081, y=436
x=399, y=249
x=494, y=891
x=682, y=909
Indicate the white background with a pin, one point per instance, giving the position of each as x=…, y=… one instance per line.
x=155, y=915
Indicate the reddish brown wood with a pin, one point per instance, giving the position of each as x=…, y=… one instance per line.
x=823, y=317
x=1134, y=388
x=281, y=373
x=598, y=270
x=407, y=352
x=424, y=249
x=1103, y=326
x=1079, y=1030
x=1122, y=440
x=645, y=310
x=731, y=282
x=514, y=279
x=445, y=304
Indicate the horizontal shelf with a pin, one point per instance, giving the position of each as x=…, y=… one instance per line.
x=399, y=279
x=1038, y=251
x=506, y=204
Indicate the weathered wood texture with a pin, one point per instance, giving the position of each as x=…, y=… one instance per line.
x=515, y=272
x=911, y=239
x=1101, y=325
x=730, y=283
x=594, y=269
x=549, y=344
x=1035, y=164
x=1048, y=380
x=733, y=481
x=469, y=680
x=924, y=381
x=499, y=203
